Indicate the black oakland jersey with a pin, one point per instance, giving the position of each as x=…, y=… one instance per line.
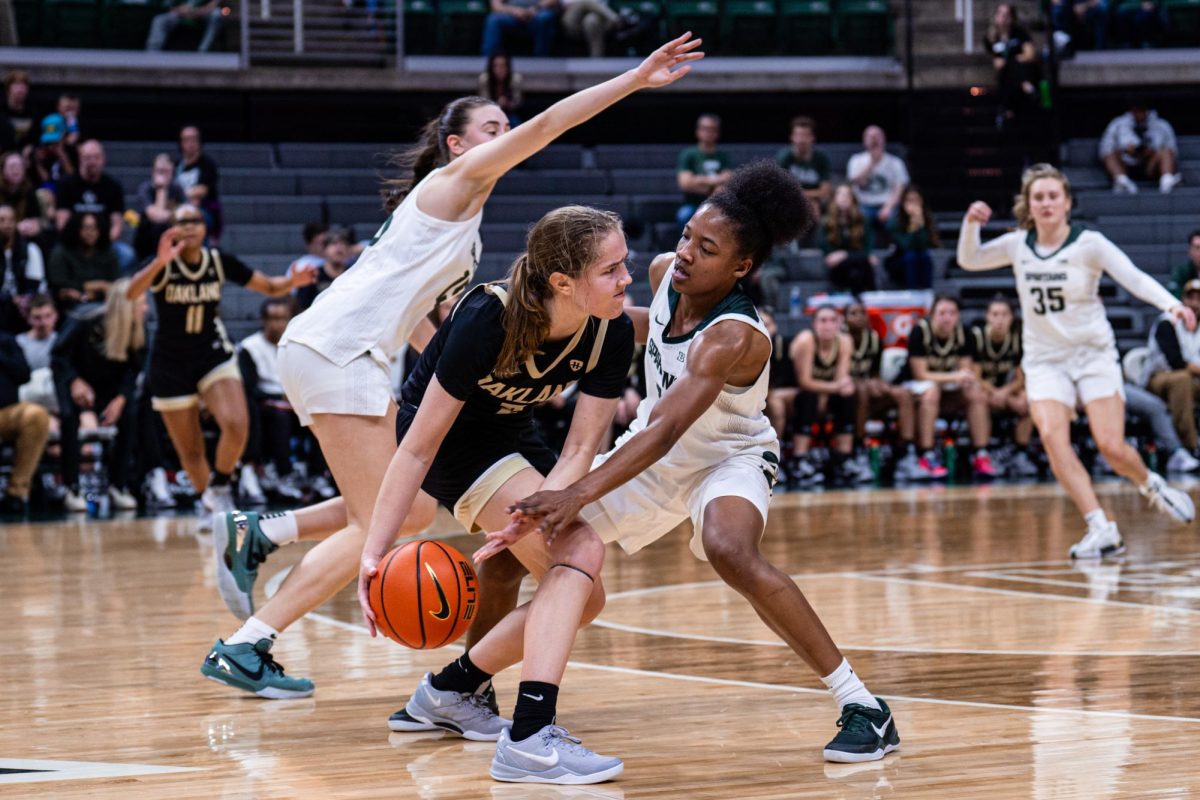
x=463, y=355
x=997, y=360
x=867, y=356
x=187, y=299
x=825, y=369
x=941, y=355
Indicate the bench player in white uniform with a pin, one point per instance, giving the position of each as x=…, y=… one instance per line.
x=701, y=448
x=1070, y=354
x=333, y=358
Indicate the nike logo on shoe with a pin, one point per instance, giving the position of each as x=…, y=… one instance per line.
x=546, y=761
x=225, y=663
x=537, y=699
x=882, y=730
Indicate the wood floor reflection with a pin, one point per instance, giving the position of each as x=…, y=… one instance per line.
x=1012, y=672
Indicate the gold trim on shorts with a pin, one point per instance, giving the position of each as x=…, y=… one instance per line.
x=471, y=504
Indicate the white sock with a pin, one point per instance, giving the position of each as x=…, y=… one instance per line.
x=281, y=528
x=846, y=687
x=252, y=631
x=1152, y=480
x=1096, y=519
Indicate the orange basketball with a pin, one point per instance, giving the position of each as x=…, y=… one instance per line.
x=424, y=594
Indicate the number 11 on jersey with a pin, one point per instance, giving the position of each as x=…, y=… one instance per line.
x=194, y=321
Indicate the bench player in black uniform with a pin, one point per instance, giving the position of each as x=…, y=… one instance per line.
x=468, y=440
x=191, y=355
x=998, y=364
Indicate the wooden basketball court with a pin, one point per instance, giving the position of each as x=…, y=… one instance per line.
x=1012, y=673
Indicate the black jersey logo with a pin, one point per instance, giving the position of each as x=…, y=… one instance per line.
x=576, y=364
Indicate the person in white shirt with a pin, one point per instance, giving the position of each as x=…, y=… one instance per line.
x=1070, y=353
x=878, y=177
x=1140, y=144
x=334, y=358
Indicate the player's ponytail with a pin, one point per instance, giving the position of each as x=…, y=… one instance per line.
x=766, y=206
x=124, y=329
x=566, y=241
x=430, y=151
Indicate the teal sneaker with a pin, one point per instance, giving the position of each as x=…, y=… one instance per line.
x=865, y=735
x=237, y=561
x=251, y=667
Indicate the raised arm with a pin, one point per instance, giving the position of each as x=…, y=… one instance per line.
x=478, y=169
x=972, y=255
x=279, y=285
x=169, y=249
x=404, y=476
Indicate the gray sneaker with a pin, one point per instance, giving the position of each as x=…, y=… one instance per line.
x=1167, y=499
x=467, y=715
x=402, y=722
x=551, y=756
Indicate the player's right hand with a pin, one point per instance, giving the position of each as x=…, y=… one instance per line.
x=980, y=212
x=169, y=246
x=367, y=570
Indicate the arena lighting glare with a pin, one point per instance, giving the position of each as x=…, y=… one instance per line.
x=978, y=91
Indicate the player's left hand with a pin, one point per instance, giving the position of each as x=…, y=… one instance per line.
x=367, y=570
x=1185, y=314
x=112, y=411
x=305, y=275
x=659, y=68
x=557, y=509
x=520, y=527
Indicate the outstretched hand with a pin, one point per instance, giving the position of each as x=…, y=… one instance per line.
x=1184, y=314
x=520, y=527
x=169, y=246
x=659, y=68
x=556, y=509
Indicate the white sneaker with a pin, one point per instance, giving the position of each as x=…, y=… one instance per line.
x=158, y=495
x=215, y=500
x=1123, y=185
x=1168, y=499
x=121, y=499
x=1182, y=461
x=249, y=487
x=1098, y=542
x=1167, y=183
x=74, y=503
x=322, y=487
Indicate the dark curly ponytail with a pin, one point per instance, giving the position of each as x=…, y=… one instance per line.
x=766, y=206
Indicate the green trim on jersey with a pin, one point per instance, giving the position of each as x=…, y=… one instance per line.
x=1031, y=242
x=736, y=302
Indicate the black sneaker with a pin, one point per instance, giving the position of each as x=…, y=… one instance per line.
x=865, y=735
x=13, y=506
x=402, y=722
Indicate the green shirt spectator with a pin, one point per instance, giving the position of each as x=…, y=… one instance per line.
x=1189, y=270
x=703, y=169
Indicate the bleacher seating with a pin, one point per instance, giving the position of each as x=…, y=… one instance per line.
x=270, y=191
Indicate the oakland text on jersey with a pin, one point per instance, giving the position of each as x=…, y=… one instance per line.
x=514, y=399
x=188, y=293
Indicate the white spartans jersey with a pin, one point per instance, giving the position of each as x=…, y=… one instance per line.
x=1061, y=310
x=414, y=263
x=732, y=425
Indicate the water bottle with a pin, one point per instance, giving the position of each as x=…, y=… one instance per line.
x=951, y=458
x=1152, y=457
x=873, y=454
x=1044, y=96
x=795, y=303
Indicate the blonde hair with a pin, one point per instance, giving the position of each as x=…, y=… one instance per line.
x=123, y=331
x=566, y=240
x=1021, y=201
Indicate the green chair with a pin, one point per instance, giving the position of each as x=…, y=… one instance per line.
x=701, y=17
x=806, y=27
x=460, y=26
x=1183, y=23
x=125, y=24
x=72, y=23
x=864, y=27
x=748, y=27
x=420, y=27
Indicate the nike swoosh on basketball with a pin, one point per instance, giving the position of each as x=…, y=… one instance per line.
x=880, y=731
x=537, y=699
x=444, y=611
x=547, y=761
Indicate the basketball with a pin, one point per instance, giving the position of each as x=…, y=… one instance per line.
x=424, y=594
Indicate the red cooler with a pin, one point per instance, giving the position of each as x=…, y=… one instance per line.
x=893, y=314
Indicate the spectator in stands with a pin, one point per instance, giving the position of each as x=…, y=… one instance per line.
x=1015, y=60
x=1140, y=24
x=19, y=111
x=1189, y=270
x=875, y=395
x=1173, y=366
x=782, y=388
x=1140, y=145
x=25, y=425
x=998, y=368
x=1149, y=407
x=809, y=166
x=537, y=19
x=822, y=361
x=702, y=169
x=24, y=272
x=94, y=191
x=185, y=12
x=273, y=423
x=83, y=264
x=17, y=190
x=157, y=199
x=334, y=263
x=198, y=175
x=54, y=158
x=941, y=359
x=846, y=240
x=36, y=343
x=877, y=176
x=66, y=117
x=500, y=84
x=1079, y=24
x=590, y=20
x=913, y=231
x=96, y=363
